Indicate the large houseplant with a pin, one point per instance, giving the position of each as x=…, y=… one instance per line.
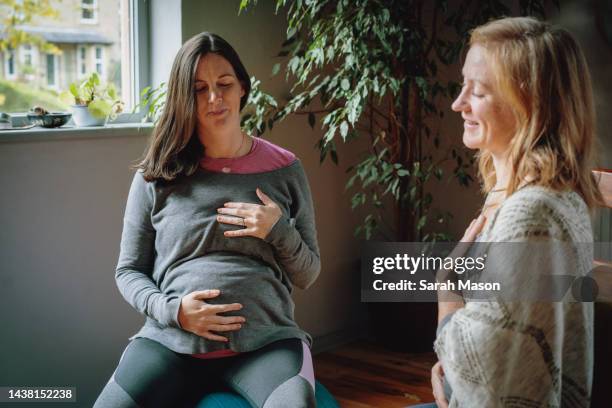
x=92, y=101
x=369, y=69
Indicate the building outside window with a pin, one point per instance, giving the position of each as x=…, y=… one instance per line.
x=89, y=11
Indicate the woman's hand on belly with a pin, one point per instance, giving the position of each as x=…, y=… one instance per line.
x=198, y=317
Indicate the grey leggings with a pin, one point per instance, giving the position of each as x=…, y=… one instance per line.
x=151, y=375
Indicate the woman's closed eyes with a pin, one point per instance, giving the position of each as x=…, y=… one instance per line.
x=474, y=93
x=223, y=85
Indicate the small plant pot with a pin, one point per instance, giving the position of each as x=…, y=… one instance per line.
x=83, y=118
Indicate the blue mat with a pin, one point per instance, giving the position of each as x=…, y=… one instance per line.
x=231, y=400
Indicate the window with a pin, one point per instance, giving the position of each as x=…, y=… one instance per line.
x=52, y=71
x=27, y=55
x=113, y=48
x=81, y=61
x=10, y=71
x=99, y=60
x=89, y=11
x=27, y=66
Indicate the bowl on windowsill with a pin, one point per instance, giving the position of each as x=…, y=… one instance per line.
x=50, y=119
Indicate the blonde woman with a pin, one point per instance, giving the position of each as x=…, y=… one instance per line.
x=218, y=228
x=527, y=107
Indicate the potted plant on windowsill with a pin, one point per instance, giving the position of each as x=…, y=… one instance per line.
x=92, y=102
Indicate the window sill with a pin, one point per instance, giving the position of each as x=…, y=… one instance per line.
x=36, y=134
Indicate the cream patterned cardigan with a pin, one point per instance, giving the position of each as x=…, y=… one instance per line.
x=525, y=354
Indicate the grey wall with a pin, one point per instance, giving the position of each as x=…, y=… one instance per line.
x=63, y=321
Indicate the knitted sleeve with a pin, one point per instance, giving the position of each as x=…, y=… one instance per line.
x=514, y=353
x=294, y=236
x=137, y=256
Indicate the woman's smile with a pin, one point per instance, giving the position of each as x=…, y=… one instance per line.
x=217, y=112
x=469, y=124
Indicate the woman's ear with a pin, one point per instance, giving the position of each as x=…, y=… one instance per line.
x=242, y=92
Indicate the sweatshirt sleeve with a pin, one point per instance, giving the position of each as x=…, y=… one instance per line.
x=137, y=257
x=294, y=238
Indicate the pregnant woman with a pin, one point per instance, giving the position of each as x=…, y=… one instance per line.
x=218, y=228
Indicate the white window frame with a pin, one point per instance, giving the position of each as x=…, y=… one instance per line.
x=81, y=61
x=8, y=55
x=139, y=56
x=56, y=70
x=93, y=7
x=27, y=50
x=100, y=60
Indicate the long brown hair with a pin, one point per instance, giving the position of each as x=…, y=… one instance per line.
x=542, y=72
x=174, y=148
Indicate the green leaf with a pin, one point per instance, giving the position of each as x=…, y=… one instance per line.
x=344, y=129
x=311, y=119
x=112, y=92
x=423, y=85
x=145, y=91
x=99, y=108
x=243, y=4
x=334, y=156
x=291, y=32
x=73, y=90
x=345, y=84
x=421, y=222
x=403, y=173
x=275, y=69
x=66, y=98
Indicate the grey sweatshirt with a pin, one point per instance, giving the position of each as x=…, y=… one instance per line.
x=172, y=245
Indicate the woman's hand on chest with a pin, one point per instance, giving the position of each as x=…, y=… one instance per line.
x=257, y=220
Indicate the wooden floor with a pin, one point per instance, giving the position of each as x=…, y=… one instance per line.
x=364, y=375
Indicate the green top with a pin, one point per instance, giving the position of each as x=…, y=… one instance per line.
x=172, y=245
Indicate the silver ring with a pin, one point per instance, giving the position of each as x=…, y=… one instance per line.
x=243, y=223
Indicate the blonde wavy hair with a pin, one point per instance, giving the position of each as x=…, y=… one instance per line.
x=542, y=73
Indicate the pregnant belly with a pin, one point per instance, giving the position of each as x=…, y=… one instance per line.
x=240, y=279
